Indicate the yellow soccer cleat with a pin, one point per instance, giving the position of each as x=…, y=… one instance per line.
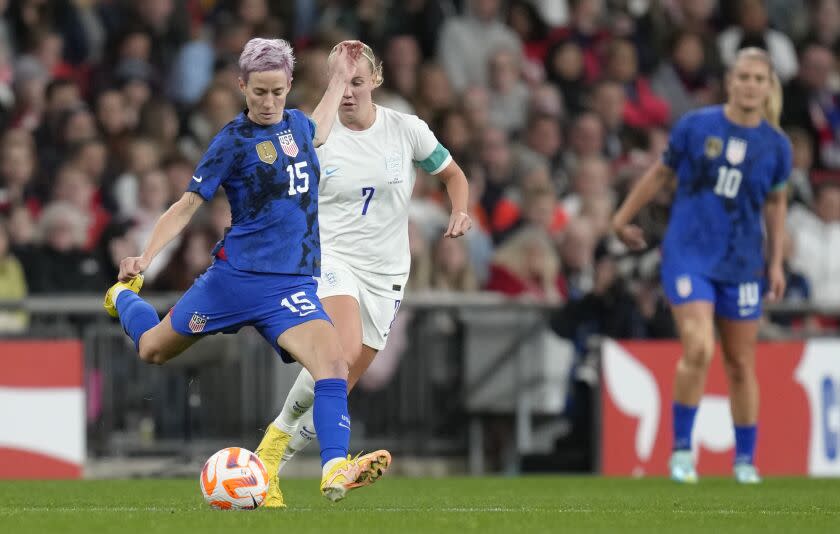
x=132, y=285
x=270, y=451
x=354, y=473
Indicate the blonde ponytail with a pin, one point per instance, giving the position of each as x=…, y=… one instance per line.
x=773, y=104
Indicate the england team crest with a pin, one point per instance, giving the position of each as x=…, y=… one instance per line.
x=287, y=143
x=736, y=149
x=197, y=323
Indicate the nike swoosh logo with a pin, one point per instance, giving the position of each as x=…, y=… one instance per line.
x=747, y=311
x=329, y=172
x=307, y=313
x=198, y=178
x=344, y=426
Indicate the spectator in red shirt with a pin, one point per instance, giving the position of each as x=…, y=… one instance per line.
x=643, y=108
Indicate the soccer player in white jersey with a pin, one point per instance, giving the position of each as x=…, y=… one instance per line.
x=367, y=174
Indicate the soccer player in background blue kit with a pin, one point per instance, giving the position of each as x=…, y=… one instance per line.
x=730, y=162
x=263, y=270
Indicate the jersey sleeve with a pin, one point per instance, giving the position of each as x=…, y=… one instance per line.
x=213, y=168
x=677, y=143
x=429, y=154
x=783, y=170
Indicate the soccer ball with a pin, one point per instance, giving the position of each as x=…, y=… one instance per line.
x=234, y=479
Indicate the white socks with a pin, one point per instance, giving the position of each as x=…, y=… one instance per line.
x=296, y=417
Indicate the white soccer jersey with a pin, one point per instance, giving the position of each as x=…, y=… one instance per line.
x=365, y=186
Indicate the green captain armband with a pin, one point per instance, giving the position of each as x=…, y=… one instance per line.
x=779, y=187
x=437, y=160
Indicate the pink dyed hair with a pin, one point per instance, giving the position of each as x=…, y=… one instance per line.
x=260, y=55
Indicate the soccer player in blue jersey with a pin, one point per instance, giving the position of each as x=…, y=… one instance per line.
x=730, y=164
x=263, y=270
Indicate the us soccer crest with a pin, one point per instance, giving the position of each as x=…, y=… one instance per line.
x=266, y=152
x=713, y=147
x=287, y=143
x=736, y=149
x=684, y=286
x=197, y=323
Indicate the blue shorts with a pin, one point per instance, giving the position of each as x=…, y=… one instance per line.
x=732, y=300
x=224, y=299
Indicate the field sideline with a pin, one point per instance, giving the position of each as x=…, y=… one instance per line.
x=404, y=506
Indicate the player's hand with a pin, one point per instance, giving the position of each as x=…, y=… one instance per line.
x=776, y=277
x=459, y=223
x=131, y=267
x=344, y=63
x=632, y=236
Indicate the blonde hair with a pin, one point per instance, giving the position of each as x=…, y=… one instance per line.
x=375, y=62
x=511, y=254
x=772, y=110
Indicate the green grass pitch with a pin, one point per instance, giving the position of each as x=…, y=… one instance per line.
x=404, y=506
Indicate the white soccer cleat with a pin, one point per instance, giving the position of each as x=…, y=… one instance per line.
x=682, y=467
x=746, y=473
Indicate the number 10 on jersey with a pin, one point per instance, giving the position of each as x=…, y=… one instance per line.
x=728, y=182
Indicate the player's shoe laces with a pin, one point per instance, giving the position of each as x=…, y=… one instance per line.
x=682, y=469
x=132, y=285
x=270, y=451
x=746, y=473
x=345, y=475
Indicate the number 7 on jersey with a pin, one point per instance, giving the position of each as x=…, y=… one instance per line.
x=367, y=193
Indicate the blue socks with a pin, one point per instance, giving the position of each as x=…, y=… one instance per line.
x=332, y=420
x=745, y=443
x=683, y=424
x=136, y=315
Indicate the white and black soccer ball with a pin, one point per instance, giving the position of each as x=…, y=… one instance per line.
x=234, y=479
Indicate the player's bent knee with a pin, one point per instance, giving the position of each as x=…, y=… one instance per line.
x=698, y=355
x=738, y=370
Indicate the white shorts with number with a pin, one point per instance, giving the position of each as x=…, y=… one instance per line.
x=378, y=295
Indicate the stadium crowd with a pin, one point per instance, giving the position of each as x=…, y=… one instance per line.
x=552, y=107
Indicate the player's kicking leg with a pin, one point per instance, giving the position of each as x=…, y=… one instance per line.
x=155, y=340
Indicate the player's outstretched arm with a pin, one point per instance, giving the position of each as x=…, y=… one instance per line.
x=342, y=69
x=775, y=213
x=458, y=190
x=645, y=189
x=166, y=229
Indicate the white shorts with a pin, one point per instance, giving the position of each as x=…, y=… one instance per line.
x=378, y=295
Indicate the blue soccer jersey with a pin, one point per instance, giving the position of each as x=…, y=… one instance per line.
x=724, y=174
x=270, y=175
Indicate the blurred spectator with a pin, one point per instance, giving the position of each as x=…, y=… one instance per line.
x=218, y=107
x=401, y=65
x=188, y=261
x=753, y=30
x=12, y=285
x=811, y=103
x=113, y=121
x=468, y=41
x=421, y=259
x=591, y=179
x=152, y=201
x=476, y=105
x=609, y=102
x=17, y=169
x=179, y=172
x=526, y=266
x=577, y=251
x=564, y=66
x=143, y=156
x=544, y=137
x=587, y=30
x=159, y=122
x=508, y=94
x=610, y=309
x=422, y=19
x=115, y=244
x=74, y=187
x=524, y=19
x=816, y=237
x=451, y=267
x=586, y=140
x=434, y=93
x=684, y=79
x=455, y=134
x=534, y=203
x=59, y=264
x=800, y=177
x=825, y=18
x=642, y=108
